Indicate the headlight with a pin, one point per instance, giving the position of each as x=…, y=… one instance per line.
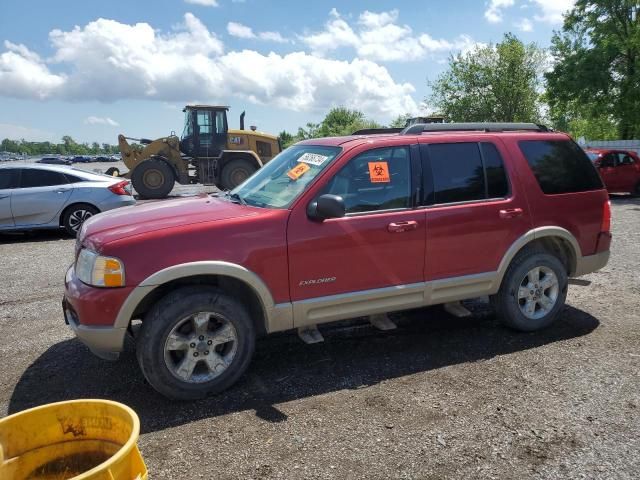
x=99, y=271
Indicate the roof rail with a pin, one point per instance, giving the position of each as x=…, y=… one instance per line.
x=473, y=127
x=374, y=131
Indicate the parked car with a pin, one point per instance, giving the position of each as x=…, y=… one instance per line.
x=54, y=161
x=38, y=197
x=81, y=159
x=338, y=228
x=619, y=169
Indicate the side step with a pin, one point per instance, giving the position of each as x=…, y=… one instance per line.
x=310, y=334
x=456, y=309
x=382, y=322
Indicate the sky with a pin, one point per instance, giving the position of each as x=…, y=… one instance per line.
x=93, y=69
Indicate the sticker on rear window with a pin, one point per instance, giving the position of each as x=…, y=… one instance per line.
x=296, y=172
x=313, y=159
x=379, y=172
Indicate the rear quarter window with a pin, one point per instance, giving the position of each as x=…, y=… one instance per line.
x=560, y=166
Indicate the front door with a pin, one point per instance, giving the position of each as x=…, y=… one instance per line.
x=40, y=198
x=473, y=214
x=626, y=172
x=211, y=126
x=9, y=178
x=380, y=241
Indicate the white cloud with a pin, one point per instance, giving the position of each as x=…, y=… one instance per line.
x=204, y=3
x=108, y=61
x=17, y=132
x=101, y=121
x=493, y=13
x=552, y=10
x=524, y=25
x=378, y=37
x=242, y=31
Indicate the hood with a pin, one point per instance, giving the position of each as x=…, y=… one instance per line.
x=147, y=217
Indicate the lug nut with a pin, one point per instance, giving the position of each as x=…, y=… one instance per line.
x=193, y=345
x=210, y=342
x=206, y=352
x=201, y=337
x=195, y=354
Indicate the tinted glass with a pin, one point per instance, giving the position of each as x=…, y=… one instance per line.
x=497, y=184
x=74, y=179
x=41, y=178
x=378, y=179
x=457, y=172
x=560, y=166
x=8, y=178
x=608, y=160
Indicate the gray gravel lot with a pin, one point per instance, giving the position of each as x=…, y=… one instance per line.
x=437, y=398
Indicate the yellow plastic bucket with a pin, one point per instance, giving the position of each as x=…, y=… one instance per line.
x=78, y=439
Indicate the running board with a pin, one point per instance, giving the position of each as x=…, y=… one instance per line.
x=456, y=309
x=310, y=334
x=382, y=322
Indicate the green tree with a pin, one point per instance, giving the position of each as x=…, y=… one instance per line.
x=400, y=121
x=596, y=76
x=493, y=83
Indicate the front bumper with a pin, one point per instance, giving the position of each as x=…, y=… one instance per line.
x=91, y=312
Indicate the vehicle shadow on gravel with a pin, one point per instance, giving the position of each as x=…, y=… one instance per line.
x=353, y=356
x=33, y=236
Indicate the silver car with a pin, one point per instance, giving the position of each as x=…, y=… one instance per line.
x=47, y=196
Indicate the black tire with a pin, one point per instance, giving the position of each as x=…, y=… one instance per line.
x=153, y=178
x=507, y=303
x=636, y=190
x=112, y=171
x=170, y=312
x=75, y=215
x=235, y=172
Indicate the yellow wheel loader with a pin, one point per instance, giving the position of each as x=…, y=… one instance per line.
x=207, y=153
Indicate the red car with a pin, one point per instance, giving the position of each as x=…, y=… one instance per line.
x=338, y=228
x=619, y=169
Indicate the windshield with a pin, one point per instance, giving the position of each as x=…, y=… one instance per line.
x=592, y=156
x=284, y=178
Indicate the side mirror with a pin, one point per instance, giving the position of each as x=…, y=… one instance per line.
x=326, y=206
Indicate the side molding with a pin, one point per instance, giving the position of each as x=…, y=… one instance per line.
x=277, y=318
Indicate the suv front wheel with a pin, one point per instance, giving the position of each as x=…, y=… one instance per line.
x=194, y=342
x=533, y=291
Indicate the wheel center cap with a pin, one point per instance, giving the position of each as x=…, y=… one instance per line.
x=202, y=346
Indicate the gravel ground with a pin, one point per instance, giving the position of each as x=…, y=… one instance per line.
x=437, y=398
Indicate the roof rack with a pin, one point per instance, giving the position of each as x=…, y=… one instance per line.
x=473, y=127
x=374, y=131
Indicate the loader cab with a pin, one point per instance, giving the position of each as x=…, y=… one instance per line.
x=205, y=130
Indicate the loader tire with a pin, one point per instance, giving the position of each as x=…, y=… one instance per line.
x=153, y=178
x=235, y=172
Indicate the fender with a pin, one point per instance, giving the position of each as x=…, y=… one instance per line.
x=277, y=317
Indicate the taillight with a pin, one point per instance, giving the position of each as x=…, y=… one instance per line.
x=121, y=188
x=606, y=217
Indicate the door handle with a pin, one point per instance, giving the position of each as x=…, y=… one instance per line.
x=511, y=213
x=397, y=227
x=63, y=190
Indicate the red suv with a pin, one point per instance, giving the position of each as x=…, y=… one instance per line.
x=338, y=228
x=619, y=169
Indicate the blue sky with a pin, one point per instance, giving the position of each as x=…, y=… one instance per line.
x=92, y=69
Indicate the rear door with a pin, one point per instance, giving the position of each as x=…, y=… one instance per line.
x=474, y=210
x=40, y=197
x=9, y=178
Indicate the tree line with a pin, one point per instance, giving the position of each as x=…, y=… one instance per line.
x=68, y=146
x=587, y=83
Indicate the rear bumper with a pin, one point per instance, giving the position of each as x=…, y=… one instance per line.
x=591, y=263
x=91, y=312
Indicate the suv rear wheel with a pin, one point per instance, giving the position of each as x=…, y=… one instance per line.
x=533, y=291
x=194, y=342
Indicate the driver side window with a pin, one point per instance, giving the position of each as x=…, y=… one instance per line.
x=379, y=179
x=204, y=122
x=608, y=160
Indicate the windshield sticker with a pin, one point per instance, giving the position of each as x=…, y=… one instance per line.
x=379, y=172
x=296, y=172
x=313, y=159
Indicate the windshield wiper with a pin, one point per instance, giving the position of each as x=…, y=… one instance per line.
x=235, y=198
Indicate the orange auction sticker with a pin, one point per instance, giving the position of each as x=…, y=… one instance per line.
x=296, y=172
x=379, y=172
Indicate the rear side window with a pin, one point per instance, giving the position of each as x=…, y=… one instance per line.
x=41, y=178
x=465, y=172
x=8, y=178
x=74, y=179
x=560, y=166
